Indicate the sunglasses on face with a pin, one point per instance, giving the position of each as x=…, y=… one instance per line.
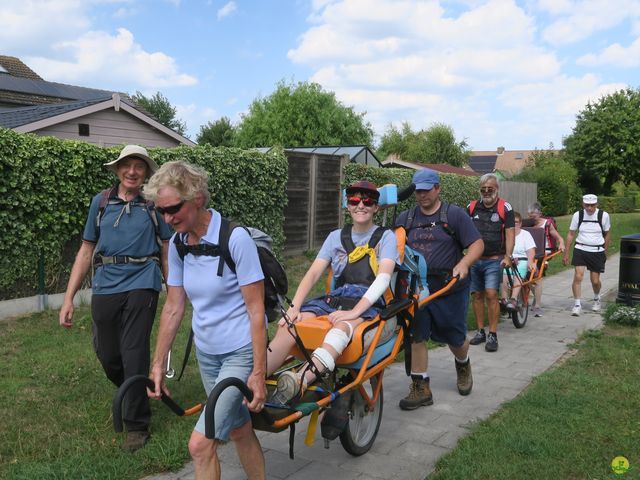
x=366, y=201
x=487, y=190
x=171, y=209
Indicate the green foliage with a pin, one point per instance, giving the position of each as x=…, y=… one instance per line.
x=558, y=192
x=456, y=189
x=301, y=114
x=434, y=145
x=47, y=185
x=604, y=143
x=217, y=134
x=159, y=106
x=617, y=204
x=622, y=315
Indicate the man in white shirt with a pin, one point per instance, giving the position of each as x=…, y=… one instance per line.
x=592, y=226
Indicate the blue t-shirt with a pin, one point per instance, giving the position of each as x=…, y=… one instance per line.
x=332, y=250
x=220, y=321
x=125, y=229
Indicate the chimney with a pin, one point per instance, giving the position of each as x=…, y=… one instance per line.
x=500, y=150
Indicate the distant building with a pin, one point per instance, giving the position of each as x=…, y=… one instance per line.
x=393, y=161
x=504, y=162
x=29, y=104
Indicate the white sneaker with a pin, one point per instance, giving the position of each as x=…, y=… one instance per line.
x=575, y=311
x=596, y=306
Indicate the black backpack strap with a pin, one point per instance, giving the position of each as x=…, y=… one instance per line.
x=376, y=236
x=105, y=195
x=411, y=214
x=181, y=248
x=580, y=217
x=226, y=227
x=346, y=240
x=187, y=352
x=600, y=215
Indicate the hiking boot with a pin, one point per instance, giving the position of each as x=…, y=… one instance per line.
x=492, y=343
x=537, y=311
x=135, y=440
x=511, y=305
x=478, y=338
x=289, y=386
x=576, y=310
x=465, y=379
x=419, y=394
x=596, y=305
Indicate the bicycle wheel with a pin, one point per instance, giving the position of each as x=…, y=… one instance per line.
x=519, y=315
x=361, y=431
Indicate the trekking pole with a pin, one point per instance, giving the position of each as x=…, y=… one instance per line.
x=170, y=371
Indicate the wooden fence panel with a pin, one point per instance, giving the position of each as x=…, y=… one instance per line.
x=519, y=195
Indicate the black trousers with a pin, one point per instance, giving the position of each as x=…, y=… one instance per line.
x=122, y=325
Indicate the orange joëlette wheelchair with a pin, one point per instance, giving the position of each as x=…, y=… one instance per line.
x=356, y=382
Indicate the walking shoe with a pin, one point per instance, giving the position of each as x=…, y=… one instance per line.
x=419, y=394
x=492, y=343
x=576, y=310
x=478, y=338
x=511, y=304
x=596, y=306
x=289, y=386
x=465, y=379
x=135, y=440
x=537, y=311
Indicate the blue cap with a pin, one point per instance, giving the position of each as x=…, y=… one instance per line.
x=425, y=179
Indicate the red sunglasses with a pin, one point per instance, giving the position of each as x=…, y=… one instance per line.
x=366, y=201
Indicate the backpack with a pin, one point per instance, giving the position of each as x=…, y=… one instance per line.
x=106, y=199
x=275, y=278
x=443, y=221
x=598, y=221
x=501, y=210
x=547, y=232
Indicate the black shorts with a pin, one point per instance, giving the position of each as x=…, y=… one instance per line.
x=594, y=261
x=443, y=319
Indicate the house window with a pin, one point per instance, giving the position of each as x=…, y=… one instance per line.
x=519, y=156
x=83, y=129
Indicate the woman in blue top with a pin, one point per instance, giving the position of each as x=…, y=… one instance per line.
x=121, y=241
x=228, y=321
x=360, y=282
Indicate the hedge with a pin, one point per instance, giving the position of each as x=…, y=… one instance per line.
x=617, y=204
x=47, y=185
x=456, y=189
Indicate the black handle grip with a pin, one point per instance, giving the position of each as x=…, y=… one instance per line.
x=406, y=192
x=116, y=407
x=221, y=386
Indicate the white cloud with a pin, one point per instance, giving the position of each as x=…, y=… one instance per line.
x=581, y=19
x=227, y=10
x=106, y=61
x=615, y=55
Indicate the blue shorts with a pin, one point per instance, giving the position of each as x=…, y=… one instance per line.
x=443, y=319
x=485, y=275
x=230, y=412
x=319, y=306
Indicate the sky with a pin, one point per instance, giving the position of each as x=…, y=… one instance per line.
x=499, y=72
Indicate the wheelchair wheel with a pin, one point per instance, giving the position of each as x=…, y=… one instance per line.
x=520, y=314
x=362, y=429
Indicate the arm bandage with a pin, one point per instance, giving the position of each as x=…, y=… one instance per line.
x=377, y=288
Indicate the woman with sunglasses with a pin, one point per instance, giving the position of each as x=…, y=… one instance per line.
x=228, y=321
x=121, y=241
x=361, y=269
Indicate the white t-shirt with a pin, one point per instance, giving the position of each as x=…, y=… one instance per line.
x=524, y=241
x=590, y=236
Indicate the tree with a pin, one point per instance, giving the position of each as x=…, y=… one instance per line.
x=301, y=115
x=558, y=190
x=437, y=144
x=158, y=105
x=604, y=145
x=217, y=134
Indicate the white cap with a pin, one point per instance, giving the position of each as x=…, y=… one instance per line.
x=589, y=199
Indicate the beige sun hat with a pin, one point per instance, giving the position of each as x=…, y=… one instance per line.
x=133, y=151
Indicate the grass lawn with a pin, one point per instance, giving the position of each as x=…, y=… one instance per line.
x=55, y=405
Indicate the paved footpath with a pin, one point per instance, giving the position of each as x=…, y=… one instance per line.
x=409, y=443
